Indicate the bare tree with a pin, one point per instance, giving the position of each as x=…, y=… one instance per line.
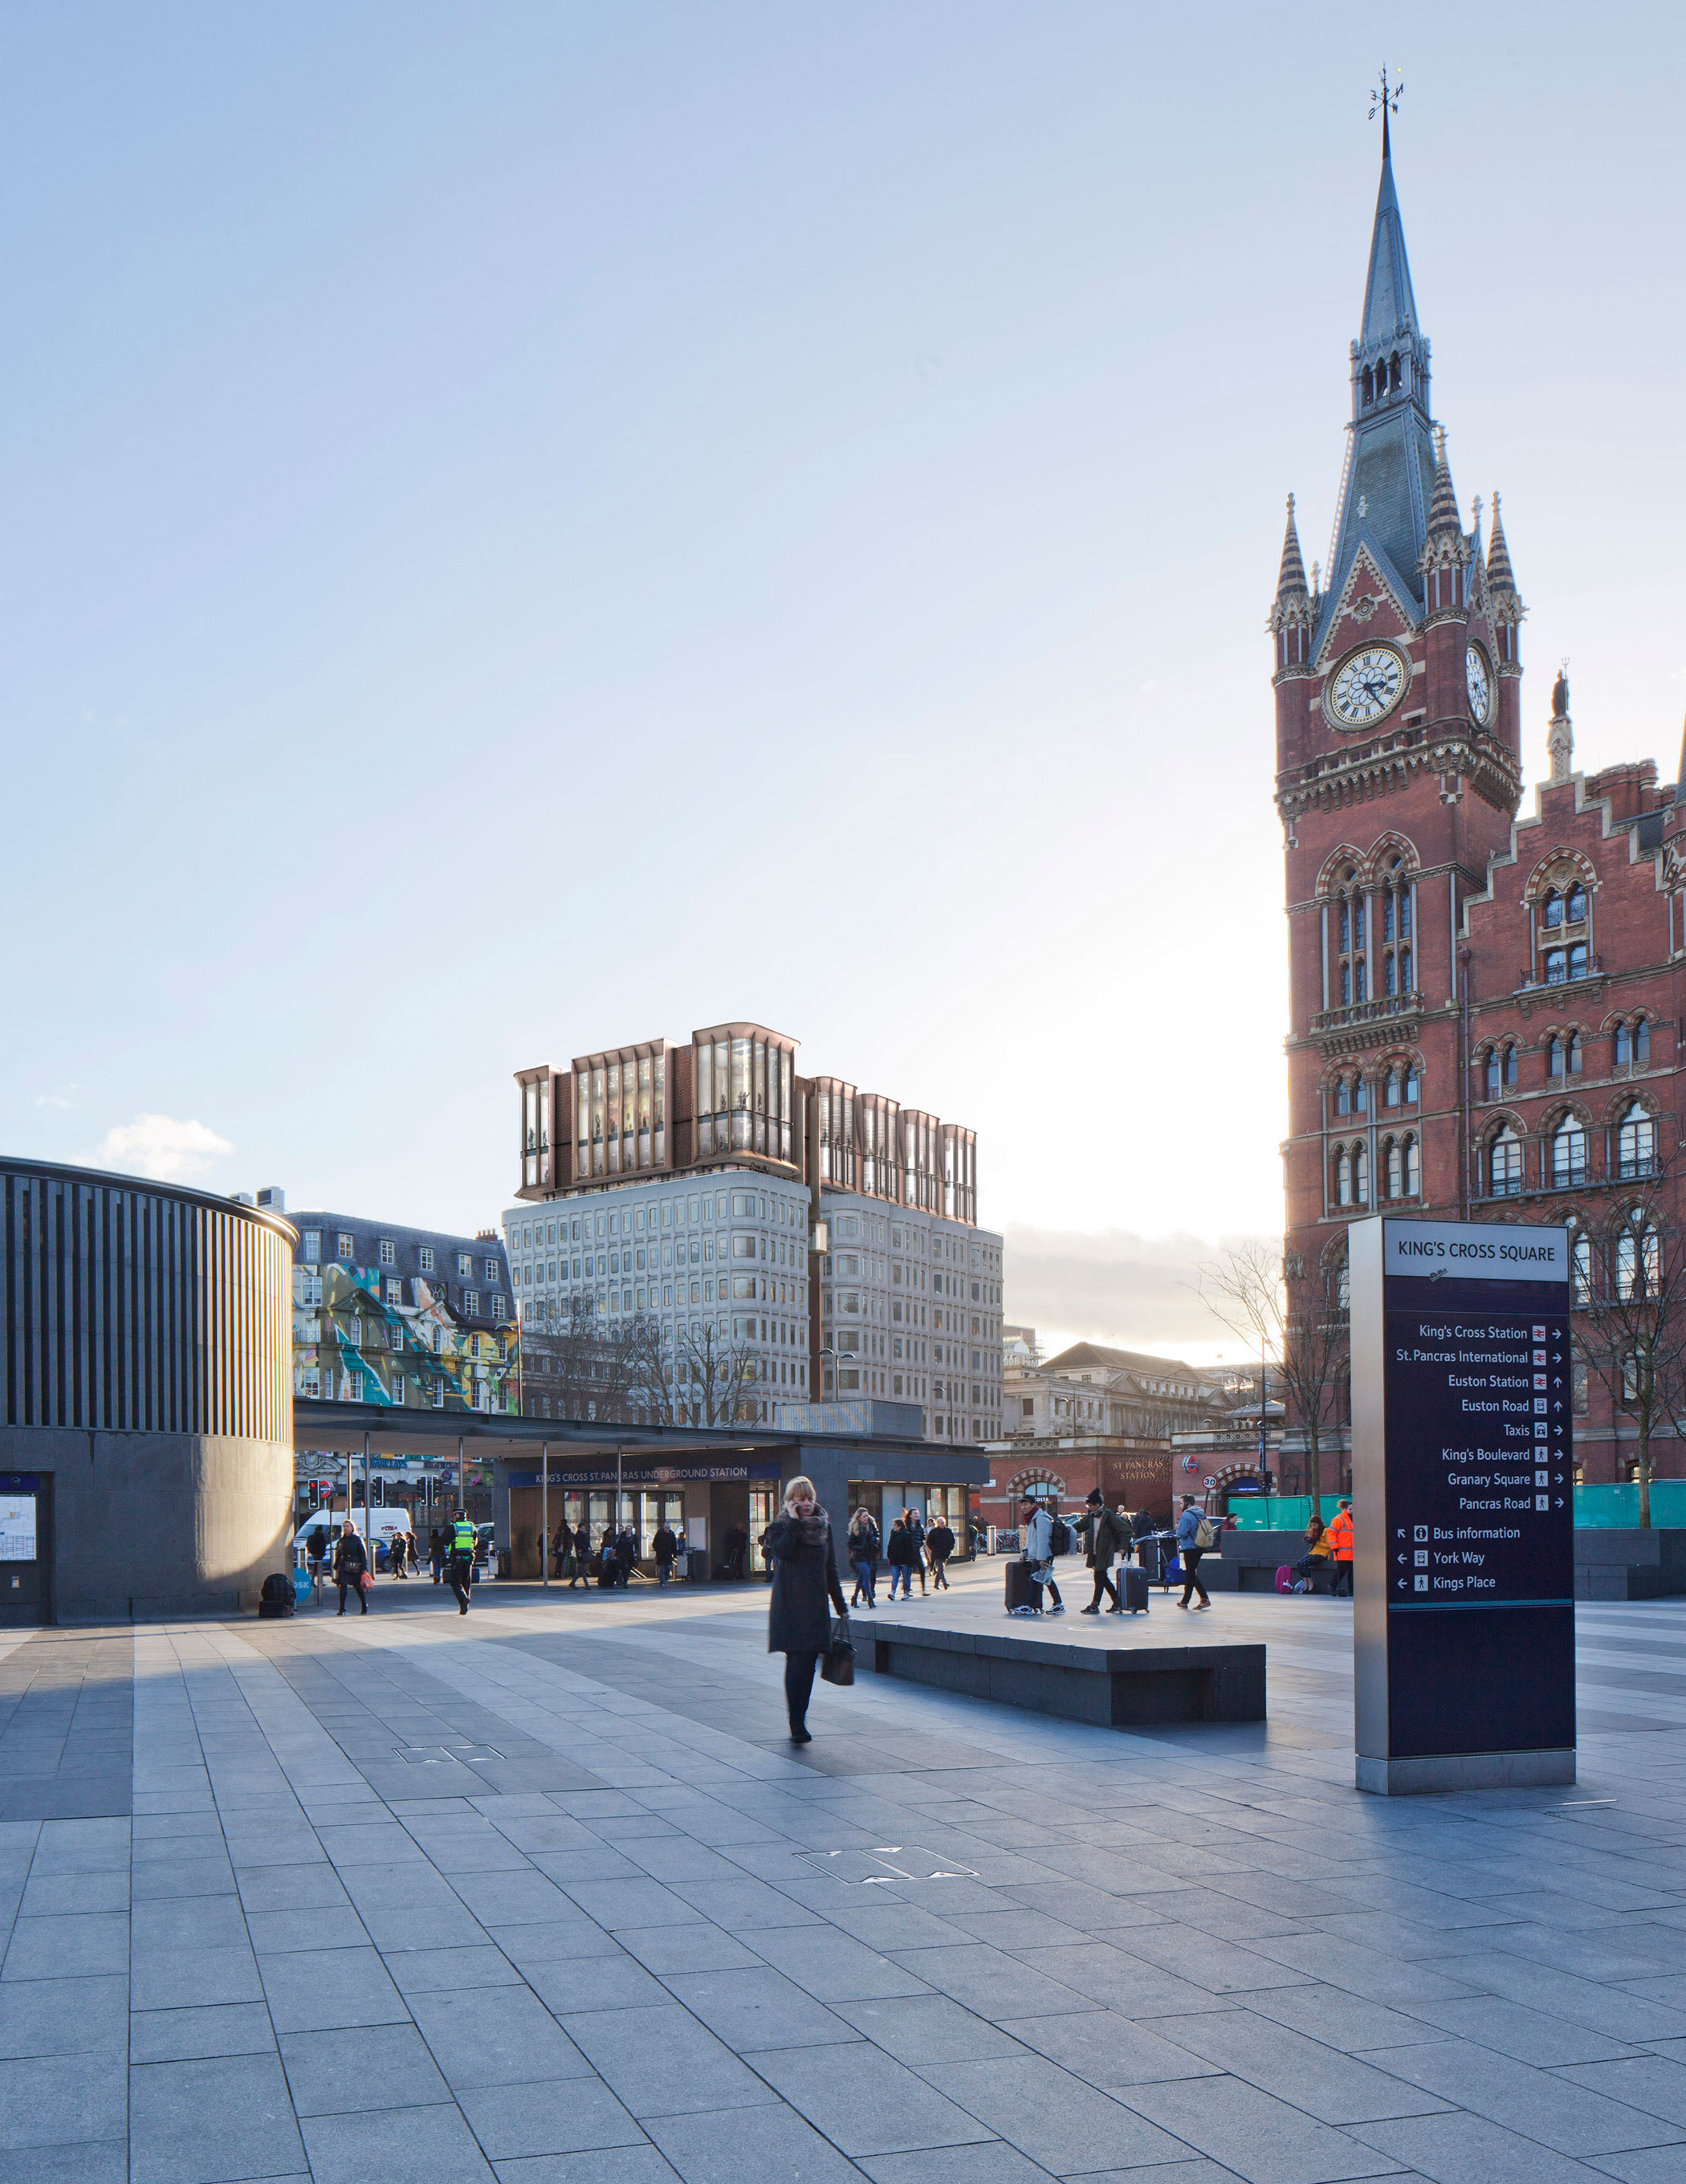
x=713, y=1374
x=1296, y=1319
x=1631, y=1320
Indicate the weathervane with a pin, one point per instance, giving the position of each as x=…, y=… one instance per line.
x=1384, y=99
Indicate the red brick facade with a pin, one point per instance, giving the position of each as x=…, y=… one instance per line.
x=1481, y=1003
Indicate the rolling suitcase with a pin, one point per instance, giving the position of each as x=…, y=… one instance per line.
x=1133, y=1586
x=1018, y=1586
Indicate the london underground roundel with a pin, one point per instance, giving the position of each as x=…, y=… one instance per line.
x=1366, y=686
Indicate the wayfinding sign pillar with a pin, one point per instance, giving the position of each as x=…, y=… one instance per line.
x=1464, y=1614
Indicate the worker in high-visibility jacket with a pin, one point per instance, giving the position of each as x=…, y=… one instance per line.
x=1340, y=1545
x=460, y=1562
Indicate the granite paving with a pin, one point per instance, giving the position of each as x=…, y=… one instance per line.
x=544, y=1895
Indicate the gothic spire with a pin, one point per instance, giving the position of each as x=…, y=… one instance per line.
x=1444, y=520
x=1390, y=305
x=1391, y=466
x=1499, y=576
x=1292, y=579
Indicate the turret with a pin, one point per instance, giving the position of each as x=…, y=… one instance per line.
x=1443, y=567
x=1291, y=615
x=1504, y=605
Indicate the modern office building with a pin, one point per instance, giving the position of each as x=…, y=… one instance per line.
x=146, y=1397
x=678, y=1187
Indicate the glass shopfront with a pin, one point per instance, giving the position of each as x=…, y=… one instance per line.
x=886, y=1499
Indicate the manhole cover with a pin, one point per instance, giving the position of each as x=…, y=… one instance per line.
x=889, y=1864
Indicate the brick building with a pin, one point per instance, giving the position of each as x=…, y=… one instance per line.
x=1483, y=1005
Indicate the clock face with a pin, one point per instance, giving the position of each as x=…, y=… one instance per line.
x=1479, y=681
x=1367, y=686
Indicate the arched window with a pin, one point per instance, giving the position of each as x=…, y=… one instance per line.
x=1361, y=1097
x=1551, y=908
x=1393, y=372
x=1343, y=1178
x=1636, y=1143
x=1505, y=1164
x=1575, y=905
x=1346, y=985
x=1557, y=1056
x=1639, y=1259
x=1568, y=1153
x=1394, y=1156
x=1413, y=1169
x=1413, y=1084
x=1368, y=386
x=1641, y=1041
x=1575, y=1054
x=1360, y=1176
x=1495, y=1074
x=1390, y=1089
x=1580, y=1266
x=1624, y=1046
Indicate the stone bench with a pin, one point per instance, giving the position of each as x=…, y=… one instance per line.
x=1625, y=1563
x=1109, y=1686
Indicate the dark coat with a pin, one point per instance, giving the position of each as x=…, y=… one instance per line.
x=1106, y=1537
x=898, y=1549
x=798, y=1620
x=862, y=1542
x=350, y=1560
x=665, y=1544
x=940, y=1541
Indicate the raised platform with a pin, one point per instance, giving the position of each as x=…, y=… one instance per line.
x=1078, y=1678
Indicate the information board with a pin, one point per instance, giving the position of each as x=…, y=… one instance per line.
x=1463, y=1480
x=17, y=1527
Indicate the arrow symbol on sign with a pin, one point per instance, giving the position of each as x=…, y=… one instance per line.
x=1401, y=1558
x=1559, y=1501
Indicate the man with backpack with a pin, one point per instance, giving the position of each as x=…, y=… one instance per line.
x=1045, y=1533
x=1194, y=1536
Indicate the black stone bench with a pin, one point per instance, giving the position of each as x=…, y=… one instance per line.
x=1109, y=1686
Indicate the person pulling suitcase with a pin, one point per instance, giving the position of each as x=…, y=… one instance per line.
x=1106, y=1536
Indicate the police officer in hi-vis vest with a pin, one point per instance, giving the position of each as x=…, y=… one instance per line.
x=459, y=1560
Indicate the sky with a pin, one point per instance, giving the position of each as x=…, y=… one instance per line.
x=535, y=528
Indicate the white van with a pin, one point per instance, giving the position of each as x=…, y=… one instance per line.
x=321, y=1528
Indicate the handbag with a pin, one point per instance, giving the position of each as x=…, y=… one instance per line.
x=837, y=1665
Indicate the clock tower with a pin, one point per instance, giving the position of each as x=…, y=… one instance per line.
x=1398, y=776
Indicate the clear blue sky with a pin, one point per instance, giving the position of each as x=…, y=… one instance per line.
x=534, y=526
